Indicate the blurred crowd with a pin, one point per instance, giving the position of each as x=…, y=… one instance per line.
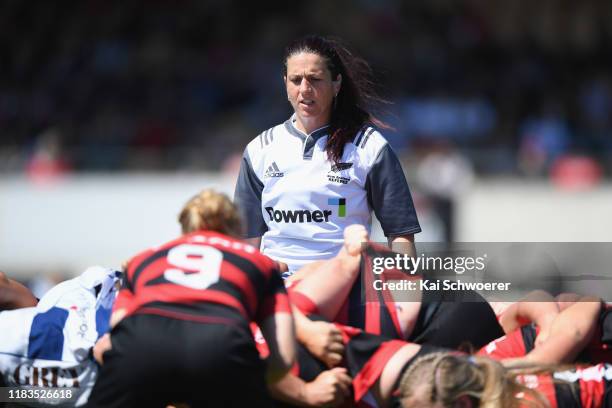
x=514, y=87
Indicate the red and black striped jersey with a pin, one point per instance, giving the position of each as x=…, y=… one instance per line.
x=203, y=276
x=582, y=387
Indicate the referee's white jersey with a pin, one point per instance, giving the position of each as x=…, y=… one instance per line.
x=50, y=345
x=299, y=202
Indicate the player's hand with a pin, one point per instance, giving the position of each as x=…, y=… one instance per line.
x=117, y=316
x=331, y=388
x=355, y=236
x=324, y=341
x=102, y=345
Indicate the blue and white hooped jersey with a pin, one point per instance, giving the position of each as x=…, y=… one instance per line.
x=50, y=345
x=300, y=202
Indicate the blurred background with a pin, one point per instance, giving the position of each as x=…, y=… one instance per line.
x=112, y=114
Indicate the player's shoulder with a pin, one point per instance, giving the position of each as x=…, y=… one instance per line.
x=230, y=245
x=264, y=141
x=369, y=142
x=262, y=146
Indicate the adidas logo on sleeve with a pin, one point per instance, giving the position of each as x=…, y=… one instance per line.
x=273, y=171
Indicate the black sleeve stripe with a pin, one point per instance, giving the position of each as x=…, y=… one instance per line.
x=265, y=137
x=366, y=137
x=358, y=137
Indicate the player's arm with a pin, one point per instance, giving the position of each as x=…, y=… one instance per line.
x=279, y=333
x=570, y=332
x=255, y=242
x=120, y=308
x=538, y=307
x=325, y=289
x=13, y=295
x=275, y=320
x=124, y=297
x=326, y=285
x=322, y=339
x=100, y=347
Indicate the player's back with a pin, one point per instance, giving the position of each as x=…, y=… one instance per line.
x=203, y=276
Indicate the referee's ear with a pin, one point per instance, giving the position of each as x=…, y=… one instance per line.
x=337, y=84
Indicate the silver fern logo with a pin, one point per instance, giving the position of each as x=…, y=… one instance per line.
x=334, y=174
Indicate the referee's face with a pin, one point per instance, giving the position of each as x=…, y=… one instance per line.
x=310, y=90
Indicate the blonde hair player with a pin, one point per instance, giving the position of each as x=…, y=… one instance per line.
x=211, y=211
x=186, y=308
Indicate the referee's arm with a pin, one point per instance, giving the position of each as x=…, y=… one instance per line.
x=389, y=196
x=403, y=244
x=247, y=196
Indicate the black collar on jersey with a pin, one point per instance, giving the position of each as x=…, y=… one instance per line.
x=308, y=141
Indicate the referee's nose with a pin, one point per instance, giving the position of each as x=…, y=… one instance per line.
x=305, y=86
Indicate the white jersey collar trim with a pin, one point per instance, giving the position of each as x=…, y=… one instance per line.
x=315, y=134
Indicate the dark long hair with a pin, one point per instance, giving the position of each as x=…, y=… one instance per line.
x=355, y=104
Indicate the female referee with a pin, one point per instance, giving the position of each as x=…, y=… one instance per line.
x=303, y=181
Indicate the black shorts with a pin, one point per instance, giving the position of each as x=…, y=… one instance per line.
x=157, y=360
x=455, y=319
